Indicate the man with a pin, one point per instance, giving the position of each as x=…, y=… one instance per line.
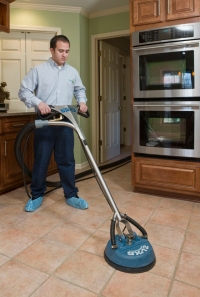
x=54, y=83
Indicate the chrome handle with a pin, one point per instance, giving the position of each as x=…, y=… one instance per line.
x=182, y=45
x=166, y=105
x=119, y=108
x=5, y=151
x=17, y=125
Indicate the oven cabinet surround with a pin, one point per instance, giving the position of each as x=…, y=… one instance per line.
x=5, y=15
x=10, y=172
x=145, y=14
x=180, y=179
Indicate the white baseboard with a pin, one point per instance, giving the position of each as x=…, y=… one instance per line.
x=82, y=165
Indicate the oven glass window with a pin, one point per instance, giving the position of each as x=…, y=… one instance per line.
x=167, y=129
x=171, y=70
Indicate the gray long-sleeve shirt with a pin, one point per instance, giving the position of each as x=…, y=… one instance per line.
x=52, y=85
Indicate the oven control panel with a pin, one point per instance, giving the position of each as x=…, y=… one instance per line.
x=166, y=34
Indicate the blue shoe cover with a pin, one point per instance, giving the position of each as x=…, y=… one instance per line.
x=77, y=202
x=32, y=205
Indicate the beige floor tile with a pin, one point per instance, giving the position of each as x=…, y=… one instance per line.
x=99, y=204
x=181, y=289
x=192, y=243
x=14, y=241
x=165, y=236
x=71, y=234
x=175, y=204
x=138, y=213
x=39, y=224
x=13, y=198
x=90, y=218
x=85, y=270
x=3, y=260
x=144, y=200
x=13, y=214
x=137, y=285
x=196, y=209
x=85, y=191
x=194, y=224
x=189, y=269
x=45, y=255
x=3, y=228
x=96, y=243
x=166, y=261
x=19, y=280
x=59, y=210
x=55, y=287
x=170, y=218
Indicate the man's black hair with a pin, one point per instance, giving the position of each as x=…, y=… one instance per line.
x=56, y=38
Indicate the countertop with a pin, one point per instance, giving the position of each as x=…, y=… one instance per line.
x=10, y=113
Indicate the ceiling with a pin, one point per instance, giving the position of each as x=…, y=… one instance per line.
x=90, y=6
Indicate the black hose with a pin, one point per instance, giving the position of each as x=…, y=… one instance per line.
x=19, y=152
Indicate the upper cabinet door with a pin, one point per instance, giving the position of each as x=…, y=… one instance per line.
x=5, y=15
x=147, y=12
x=181, y=9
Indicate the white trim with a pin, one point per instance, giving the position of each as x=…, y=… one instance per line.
x=30, y=6
x=82, y=165
x=35, y=29
x=80, y=10
x=109, y=12
x=94, y=84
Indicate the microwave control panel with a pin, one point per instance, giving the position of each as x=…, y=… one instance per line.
x=170, y=33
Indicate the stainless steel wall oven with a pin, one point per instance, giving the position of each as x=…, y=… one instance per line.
x=166, y=91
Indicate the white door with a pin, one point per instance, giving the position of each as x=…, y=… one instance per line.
x=19, y=52
x=12, y=61
x=110, y=102
x=37, y=48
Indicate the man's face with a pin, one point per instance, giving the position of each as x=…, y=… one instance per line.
x=61, y=52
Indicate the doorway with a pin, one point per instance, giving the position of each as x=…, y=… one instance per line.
x=121, y=41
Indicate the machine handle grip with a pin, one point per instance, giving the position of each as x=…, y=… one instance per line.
x=48, y=116
x=83, y=114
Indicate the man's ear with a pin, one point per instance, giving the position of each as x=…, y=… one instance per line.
x=51, y=50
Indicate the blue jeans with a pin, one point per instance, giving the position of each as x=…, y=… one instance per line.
x=61, y=140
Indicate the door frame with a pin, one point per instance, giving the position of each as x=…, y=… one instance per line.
x=94, y=85
x=35, y=29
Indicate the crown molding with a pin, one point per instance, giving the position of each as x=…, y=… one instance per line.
x=69, y=9
x=50, y=8
x=109, y=12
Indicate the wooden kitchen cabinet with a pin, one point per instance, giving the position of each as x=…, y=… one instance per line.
x=5, y=15
x=179, y=179
x=10, y=172
x=157, y=13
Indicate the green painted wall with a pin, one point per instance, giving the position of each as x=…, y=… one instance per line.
x=78, y=29
x=110, y=23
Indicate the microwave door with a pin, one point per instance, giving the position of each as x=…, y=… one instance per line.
x=166, y=71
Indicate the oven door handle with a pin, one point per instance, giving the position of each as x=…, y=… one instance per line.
x=167, y=105
x=174, y=45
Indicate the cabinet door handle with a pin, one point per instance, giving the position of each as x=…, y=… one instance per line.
x=17, y=125
x=158, y=7
x=5, y=151
x=168, y=8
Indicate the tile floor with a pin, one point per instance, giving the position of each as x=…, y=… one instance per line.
x=58, y=250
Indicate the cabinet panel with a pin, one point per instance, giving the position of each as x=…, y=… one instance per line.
x=12, y=173
x=147, y=12
x=166, y=175
x=180, y=9
x=5, y=15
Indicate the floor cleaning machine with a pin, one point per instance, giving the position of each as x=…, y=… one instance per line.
x=126, y=251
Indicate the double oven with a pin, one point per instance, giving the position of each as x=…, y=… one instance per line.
x=166, y=91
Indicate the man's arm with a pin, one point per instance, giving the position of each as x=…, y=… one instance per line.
x=27, y=88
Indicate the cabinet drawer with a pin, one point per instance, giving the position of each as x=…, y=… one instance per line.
x=14, y=124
